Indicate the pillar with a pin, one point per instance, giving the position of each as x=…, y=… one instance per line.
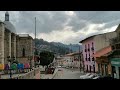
x=2, y=34
x=14, y=41
x=10, y=44
x=117, y=72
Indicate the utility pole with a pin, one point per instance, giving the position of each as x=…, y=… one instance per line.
x=35, y=44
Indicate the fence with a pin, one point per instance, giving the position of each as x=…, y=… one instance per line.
x=33, y=74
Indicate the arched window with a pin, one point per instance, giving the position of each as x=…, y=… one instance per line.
x=23, y=52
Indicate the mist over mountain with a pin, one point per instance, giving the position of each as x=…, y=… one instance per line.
x=56, y=47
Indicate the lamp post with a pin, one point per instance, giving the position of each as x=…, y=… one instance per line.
x=11, y=60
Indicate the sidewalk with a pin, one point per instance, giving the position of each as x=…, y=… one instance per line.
x=49, y=76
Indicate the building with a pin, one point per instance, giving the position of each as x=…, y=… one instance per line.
x=19, y=47
x=74, y=60
x=59, y=61
x=93, y=44
x=24, y=48
x=114, y=56
x=68, y=59
x=102, y=60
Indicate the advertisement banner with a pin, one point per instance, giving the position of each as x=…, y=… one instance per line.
x=1, y=66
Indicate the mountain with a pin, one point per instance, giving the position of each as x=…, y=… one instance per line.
x=73, y=47
x=56, y=47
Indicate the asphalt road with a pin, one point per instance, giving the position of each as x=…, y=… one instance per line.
x=67, y=74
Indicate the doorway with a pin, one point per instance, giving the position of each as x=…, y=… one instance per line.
x=113, y=71
x=94, y=68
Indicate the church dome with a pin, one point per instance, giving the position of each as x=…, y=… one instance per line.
x=10, y=26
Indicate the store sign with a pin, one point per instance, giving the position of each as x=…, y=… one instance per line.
x=114, y=62
x=1, y=66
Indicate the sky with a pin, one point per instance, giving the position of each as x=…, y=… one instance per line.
x=63, y=26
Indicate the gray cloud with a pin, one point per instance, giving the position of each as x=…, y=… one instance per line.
x=48, y=21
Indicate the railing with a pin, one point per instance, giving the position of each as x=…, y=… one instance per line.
x=28, y=75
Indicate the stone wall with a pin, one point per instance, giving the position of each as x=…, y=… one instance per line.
x=27, y=44
x=2, y=43
x=34, y=74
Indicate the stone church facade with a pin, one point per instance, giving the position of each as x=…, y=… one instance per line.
x=19, y=46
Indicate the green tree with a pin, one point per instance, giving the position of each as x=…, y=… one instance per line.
x=46, y=58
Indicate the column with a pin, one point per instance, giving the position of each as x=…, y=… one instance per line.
x=10, y=44
x=2, y=33
x=117, y=72
x=104, y=70
x=14, y=46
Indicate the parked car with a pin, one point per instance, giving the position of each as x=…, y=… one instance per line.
x=106, y=77
x=89, y=76
x=97, y=77
x=59, y=66
x=83, y=76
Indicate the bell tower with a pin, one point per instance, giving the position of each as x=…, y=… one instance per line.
x=6, y=16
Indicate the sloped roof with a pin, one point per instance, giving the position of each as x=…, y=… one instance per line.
x=10, y=26
x=103, y=51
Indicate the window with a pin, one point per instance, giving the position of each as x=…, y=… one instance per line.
x=89, y=59
x=88, y=47
x=85, y=48
x=93, y=59
x=92, y=48
x=92, y=44
x=23, y=52
x=89, y=56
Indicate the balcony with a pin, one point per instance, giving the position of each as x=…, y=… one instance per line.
x=92, y=48
x=93, y=59
x=89, y=59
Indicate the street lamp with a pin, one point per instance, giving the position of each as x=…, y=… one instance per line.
x=11, y=60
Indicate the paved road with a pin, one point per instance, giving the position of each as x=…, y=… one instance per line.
x=67, y=74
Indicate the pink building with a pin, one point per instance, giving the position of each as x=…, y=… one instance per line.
x=88, y=51
x=93, y=44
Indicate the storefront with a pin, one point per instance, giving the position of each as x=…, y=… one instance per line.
x=115, y=63
x=103, y=66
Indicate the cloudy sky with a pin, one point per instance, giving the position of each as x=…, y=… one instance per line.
x=64, y=26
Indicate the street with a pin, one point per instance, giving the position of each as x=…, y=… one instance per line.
x=67, y=74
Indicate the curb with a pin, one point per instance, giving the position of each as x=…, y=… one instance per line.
x=55, y=73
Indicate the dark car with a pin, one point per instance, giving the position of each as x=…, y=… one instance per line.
x=106, y=77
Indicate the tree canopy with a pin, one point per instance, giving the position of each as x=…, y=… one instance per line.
x=46, y=58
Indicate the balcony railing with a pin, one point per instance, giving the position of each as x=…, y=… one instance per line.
x=92, y=48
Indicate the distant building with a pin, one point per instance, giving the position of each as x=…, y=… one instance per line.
x=74, y=60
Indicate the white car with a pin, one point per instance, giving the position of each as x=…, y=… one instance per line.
x=59, y=66
x=83, y=76
x=89, y=77
x=96, y=77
